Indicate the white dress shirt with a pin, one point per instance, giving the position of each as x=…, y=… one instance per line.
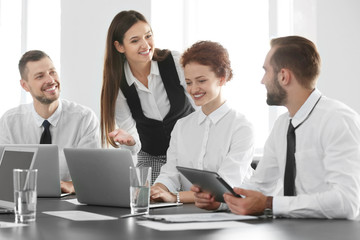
x=327, y=162
x=222, y=142
x=72, y=126
x=154, y=100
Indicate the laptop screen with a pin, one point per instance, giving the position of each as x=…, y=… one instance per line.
x=47, y=163
x=10, y=160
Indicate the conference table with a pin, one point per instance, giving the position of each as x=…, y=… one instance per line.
x=56, y=228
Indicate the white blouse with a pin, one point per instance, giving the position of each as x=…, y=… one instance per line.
x=222, y=142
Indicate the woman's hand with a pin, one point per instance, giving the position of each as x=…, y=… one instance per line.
x=204, y=200
x=122, y=137
x=67, y=187
x=159, y=193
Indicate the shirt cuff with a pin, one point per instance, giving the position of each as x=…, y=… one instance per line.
x=133, y=149
x=171, y=186
x=223, y=207
x=281, y=206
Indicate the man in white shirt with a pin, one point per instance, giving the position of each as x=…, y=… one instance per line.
x=326, y=172
x=71, y=125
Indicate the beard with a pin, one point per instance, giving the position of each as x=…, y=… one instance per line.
x=277, y=96
x=45, y=100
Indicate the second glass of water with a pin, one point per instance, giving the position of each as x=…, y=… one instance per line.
x=140, y=181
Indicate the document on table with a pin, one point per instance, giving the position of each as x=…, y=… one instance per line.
x=198, y=217
x=80, y=215
x=11, y=224
x=162, y=226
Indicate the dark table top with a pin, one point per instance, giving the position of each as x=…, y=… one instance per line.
x=51, y=227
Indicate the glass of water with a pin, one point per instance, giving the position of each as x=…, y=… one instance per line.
x=25, y=195
x=140, y=181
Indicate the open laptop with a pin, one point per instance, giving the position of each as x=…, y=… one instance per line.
x=12, y=158
x=47, y=163
x=101, y=176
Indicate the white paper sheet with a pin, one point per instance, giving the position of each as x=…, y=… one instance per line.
x=80, y=215
x=160, y=226
x=11, y=224
x=199, y=217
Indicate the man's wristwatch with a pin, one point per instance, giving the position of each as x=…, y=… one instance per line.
x=268, y=212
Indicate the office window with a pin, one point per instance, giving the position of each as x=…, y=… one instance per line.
x=240, y=26
x=25, y=25
x=10, y=48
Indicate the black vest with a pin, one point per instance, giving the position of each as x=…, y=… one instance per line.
x=155, y=135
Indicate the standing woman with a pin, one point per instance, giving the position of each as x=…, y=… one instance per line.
x=143, y=92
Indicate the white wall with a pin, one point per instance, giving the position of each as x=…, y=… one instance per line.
x=333, y=25
x=84, y=26
x=338, y=39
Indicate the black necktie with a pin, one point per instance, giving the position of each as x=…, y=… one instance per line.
x=290, y=168
x=46, y=136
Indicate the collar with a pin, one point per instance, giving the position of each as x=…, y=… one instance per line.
x=53, y=119
x=216, y=115
x=306, y=108
x=130, y=79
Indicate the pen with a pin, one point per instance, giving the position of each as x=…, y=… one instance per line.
x=132, y=215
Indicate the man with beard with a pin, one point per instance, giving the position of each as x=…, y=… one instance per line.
x=311, y=162
x=48, y=119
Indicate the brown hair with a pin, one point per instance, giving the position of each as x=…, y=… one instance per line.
x=114, y=69
x=299, y=55
x=30, y=56
x=210, y=54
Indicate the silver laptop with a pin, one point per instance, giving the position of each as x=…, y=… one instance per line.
x=100, y=176
x=12, y=158
x=47, y=163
